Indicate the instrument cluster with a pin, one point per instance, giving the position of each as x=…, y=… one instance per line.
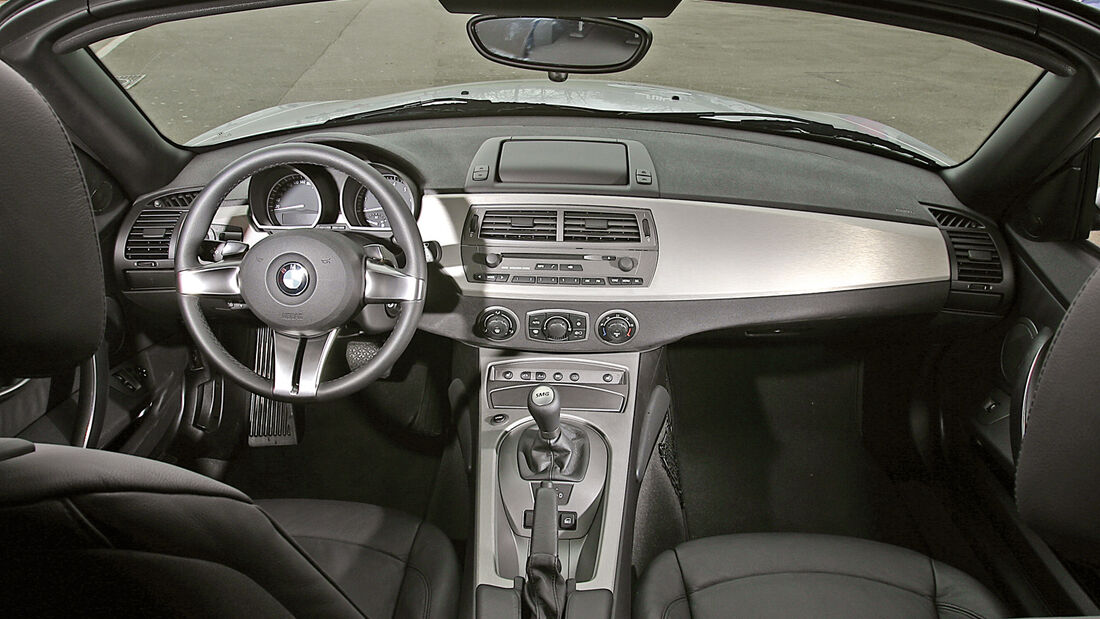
x=309, y=196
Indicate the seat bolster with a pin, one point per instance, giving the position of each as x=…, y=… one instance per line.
x=389, y=563
x=430, y=588
x=788, y=574
x=58, y=471
x=661, y=591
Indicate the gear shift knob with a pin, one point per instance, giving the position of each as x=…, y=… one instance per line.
x=545, y=406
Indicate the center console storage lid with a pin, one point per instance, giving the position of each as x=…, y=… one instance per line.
x=563, y=165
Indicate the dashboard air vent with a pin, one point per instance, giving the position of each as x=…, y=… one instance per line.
x=520, y=225
x=601, y=227
x=976, y=257
x=151, y=236
x=175, y=200
x=950, y=219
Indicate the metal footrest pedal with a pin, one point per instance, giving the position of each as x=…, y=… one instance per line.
x=270, y=423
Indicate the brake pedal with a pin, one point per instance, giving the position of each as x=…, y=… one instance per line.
x=270, y=422
x=361, y=352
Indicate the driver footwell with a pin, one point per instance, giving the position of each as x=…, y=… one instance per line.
x=359, y=448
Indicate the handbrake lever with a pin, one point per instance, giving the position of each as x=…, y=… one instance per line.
x=544, y=589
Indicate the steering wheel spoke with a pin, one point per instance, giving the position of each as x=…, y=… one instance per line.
x=299, y=361
x=220, y=279
x=385, y=284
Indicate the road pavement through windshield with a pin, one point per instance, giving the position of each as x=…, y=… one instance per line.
x=196, y=74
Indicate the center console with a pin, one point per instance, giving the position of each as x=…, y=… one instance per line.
x=596, y=404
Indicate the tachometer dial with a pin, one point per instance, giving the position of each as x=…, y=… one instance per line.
x=369, y=210
x=294, y=201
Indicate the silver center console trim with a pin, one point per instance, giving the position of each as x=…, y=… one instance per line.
x=617, y=429
x=712, y=250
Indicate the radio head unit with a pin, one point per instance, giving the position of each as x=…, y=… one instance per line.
x=560, y=245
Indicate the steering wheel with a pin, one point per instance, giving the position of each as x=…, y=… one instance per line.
x=304, y=284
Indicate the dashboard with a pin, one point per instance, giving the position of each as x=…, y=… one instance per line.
x=604, y=239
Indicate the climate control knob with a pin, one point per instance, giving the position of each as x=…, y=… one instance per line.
x=556, y=328
x=617, y=327
x=497, y=324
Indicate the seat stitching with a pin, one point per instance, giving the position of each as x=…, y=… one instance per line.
x=79, y=516
x=669, y=606
x=683, y=583
x=883, y=582
x=959, y=609
x=402, y=560
x=409, y=567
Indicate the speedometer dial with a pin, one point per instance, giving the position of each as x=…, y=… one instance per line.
x=369, y=210
x=294, y=201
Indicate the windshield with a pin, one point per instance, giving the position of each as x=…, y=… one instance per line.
x=193, y=78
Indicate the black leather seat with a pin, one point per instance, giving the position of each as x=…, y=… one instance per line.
x=787, y=575
x=799, y=575
x=84, y=532
x=116, y=534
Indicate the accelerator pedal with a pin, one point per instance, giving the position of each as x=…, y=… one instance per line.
x=270, y=423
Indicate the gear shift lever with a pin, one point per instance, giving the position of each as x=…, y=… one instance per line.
x=556, y=451
x=545, y=406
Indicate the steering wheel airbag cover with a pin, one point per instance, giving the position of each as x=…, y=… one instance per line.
x=330, y=292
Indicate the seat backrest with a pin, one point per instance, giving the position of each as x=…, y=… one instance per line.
x=90, y=532
x=1058, y=475
x=50, y=267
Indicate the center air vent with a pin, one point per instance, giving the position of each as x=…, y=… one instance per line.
x=520, y=225
x=976, y=257
x=600, y=227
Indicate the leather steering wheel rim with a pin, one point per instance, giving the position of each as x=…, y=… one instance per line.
x=403, y=227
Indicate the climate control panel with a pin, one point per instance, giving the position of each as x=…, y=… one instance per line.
x=557, y=326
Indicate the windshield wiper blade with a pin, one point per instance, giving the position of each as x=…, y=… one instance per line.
x=788, y=124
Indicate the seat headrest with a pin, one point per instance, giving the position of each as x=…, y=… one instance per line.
x=1058, y=475
x=51, y=275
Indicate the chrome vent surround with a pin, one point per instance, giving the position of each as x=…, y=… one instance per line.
x=976, y=257
x=592, y=226
x=519, y=225
x=949, y=219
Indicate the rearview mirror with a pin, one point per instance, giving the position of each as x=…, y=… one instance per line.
x=560, y=45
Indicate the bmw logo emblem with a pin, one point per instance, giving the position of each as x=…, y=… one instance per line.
x=292, y=279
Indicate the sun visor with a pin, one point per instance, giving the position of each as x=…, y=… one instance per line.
x=626, y=9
